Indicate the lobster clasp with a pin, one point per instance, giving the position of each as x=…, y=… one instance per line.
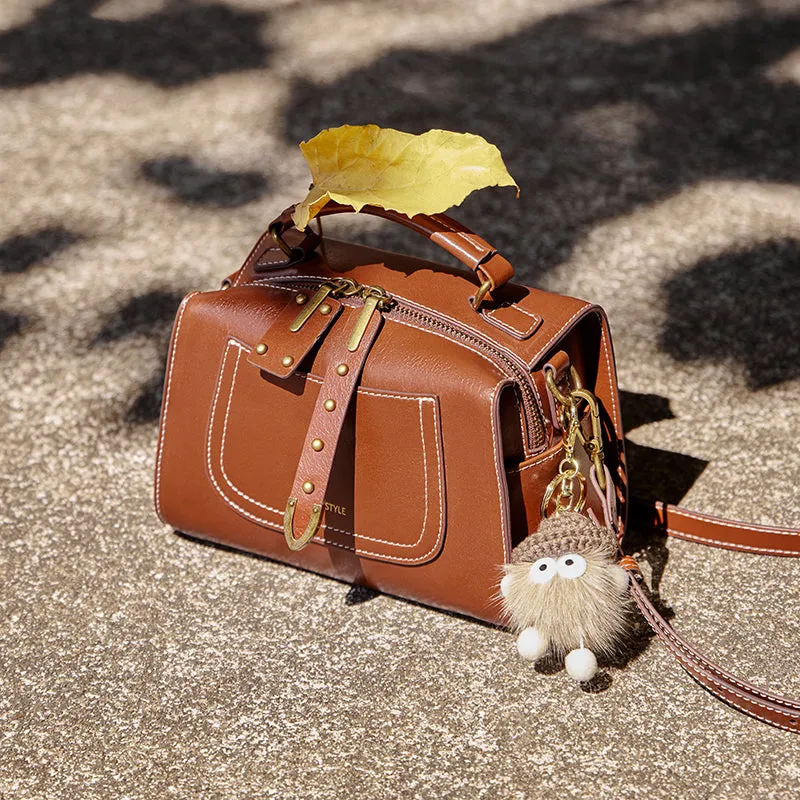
x=593, y=445
x=568, y=403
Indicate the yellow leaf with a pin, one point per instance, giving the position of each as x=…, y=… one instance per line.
x=366, y=165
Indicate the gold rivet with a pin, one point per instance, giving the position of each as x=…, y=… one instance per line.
x=292, y=501
x=301, y=299
x=317, y=445
x=308, y=487
x=342, y=369
x=287, y=361
x=330, y=405
x=261, y=348
x=325, y=309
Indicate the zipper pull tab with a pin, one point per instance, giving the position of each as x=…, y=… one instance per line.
x=375, y=298
x=311, y=306
x=337, y=287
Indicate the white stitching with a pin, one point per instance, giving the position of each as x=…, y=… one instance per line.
x=501, y=495
x=510, y=328
x=476, y=331
x=690, y=652
x=254, y=255
x=731, y=524
x=693, y=669
x=272, y=284
x=611, y=383
x=424, y=469
x=163, y=428
x=262, y=521
x=733, y=545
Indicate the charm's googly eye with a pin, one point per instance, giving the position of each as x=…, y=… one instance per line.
x=571, y=566
x=543, y=570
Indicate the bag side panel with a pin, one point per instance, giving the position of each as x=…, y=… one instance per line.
x=587, y=342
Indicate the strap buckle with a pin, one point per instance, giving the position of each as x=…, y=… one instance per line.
x=288, y=525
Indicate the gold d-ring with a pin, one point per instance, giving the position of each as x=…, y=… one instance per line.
x=275, y=232
x=311, y=528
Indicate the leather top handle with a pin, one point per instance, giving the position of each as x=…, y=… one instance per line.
x=492, y=269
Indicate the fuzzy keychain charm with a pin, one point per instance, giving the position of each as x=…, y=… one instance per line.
x=564, y=590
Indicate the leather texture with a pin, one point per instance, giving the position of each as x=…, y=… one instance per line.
x=424, y=445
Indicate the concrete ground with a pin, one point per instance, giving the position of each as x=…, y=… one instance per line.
x=145, y=144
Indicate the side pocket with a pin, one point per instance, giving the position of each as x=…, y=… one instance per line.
x=526, y=486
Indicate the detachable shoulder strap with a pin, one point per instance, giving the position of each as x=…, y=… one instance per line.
x=717, y=532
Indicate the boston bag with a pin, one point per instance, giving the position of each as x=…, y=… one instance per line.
x=405, y=425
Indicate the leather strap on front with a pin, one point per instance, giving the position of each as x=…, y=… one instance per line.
x=758, y=703
x=715, y=531
x=306, y=503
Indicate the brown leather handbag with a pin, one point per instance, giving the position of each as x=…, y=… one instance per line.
x=395, y=423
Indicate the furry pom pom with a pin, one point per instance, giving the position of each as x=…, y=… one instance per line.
x=581, y=664
x=564, y=582
x=531, y=644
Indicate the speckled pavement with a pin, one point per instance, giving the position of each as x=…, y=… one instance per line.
x=145, y=144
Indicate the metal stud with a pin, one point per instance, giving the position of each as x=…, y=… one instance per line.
x=330, y=405
x=287, y=361
x=317, y=445
x=325, y=309
x=342, y=369
x=301, y=299
x=308, y=487
x=261, y=348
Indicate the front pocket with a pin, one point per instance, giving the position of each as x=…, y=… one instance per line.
x=385, y=497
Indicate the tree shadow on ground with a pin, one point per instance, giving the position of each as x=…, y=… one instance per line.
x=195, y=184
x=742, y=306
x=150, y=315
x=174, y=47
x=653, y=474
x=20, y=253
x=591, y=123
x=10, y=325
